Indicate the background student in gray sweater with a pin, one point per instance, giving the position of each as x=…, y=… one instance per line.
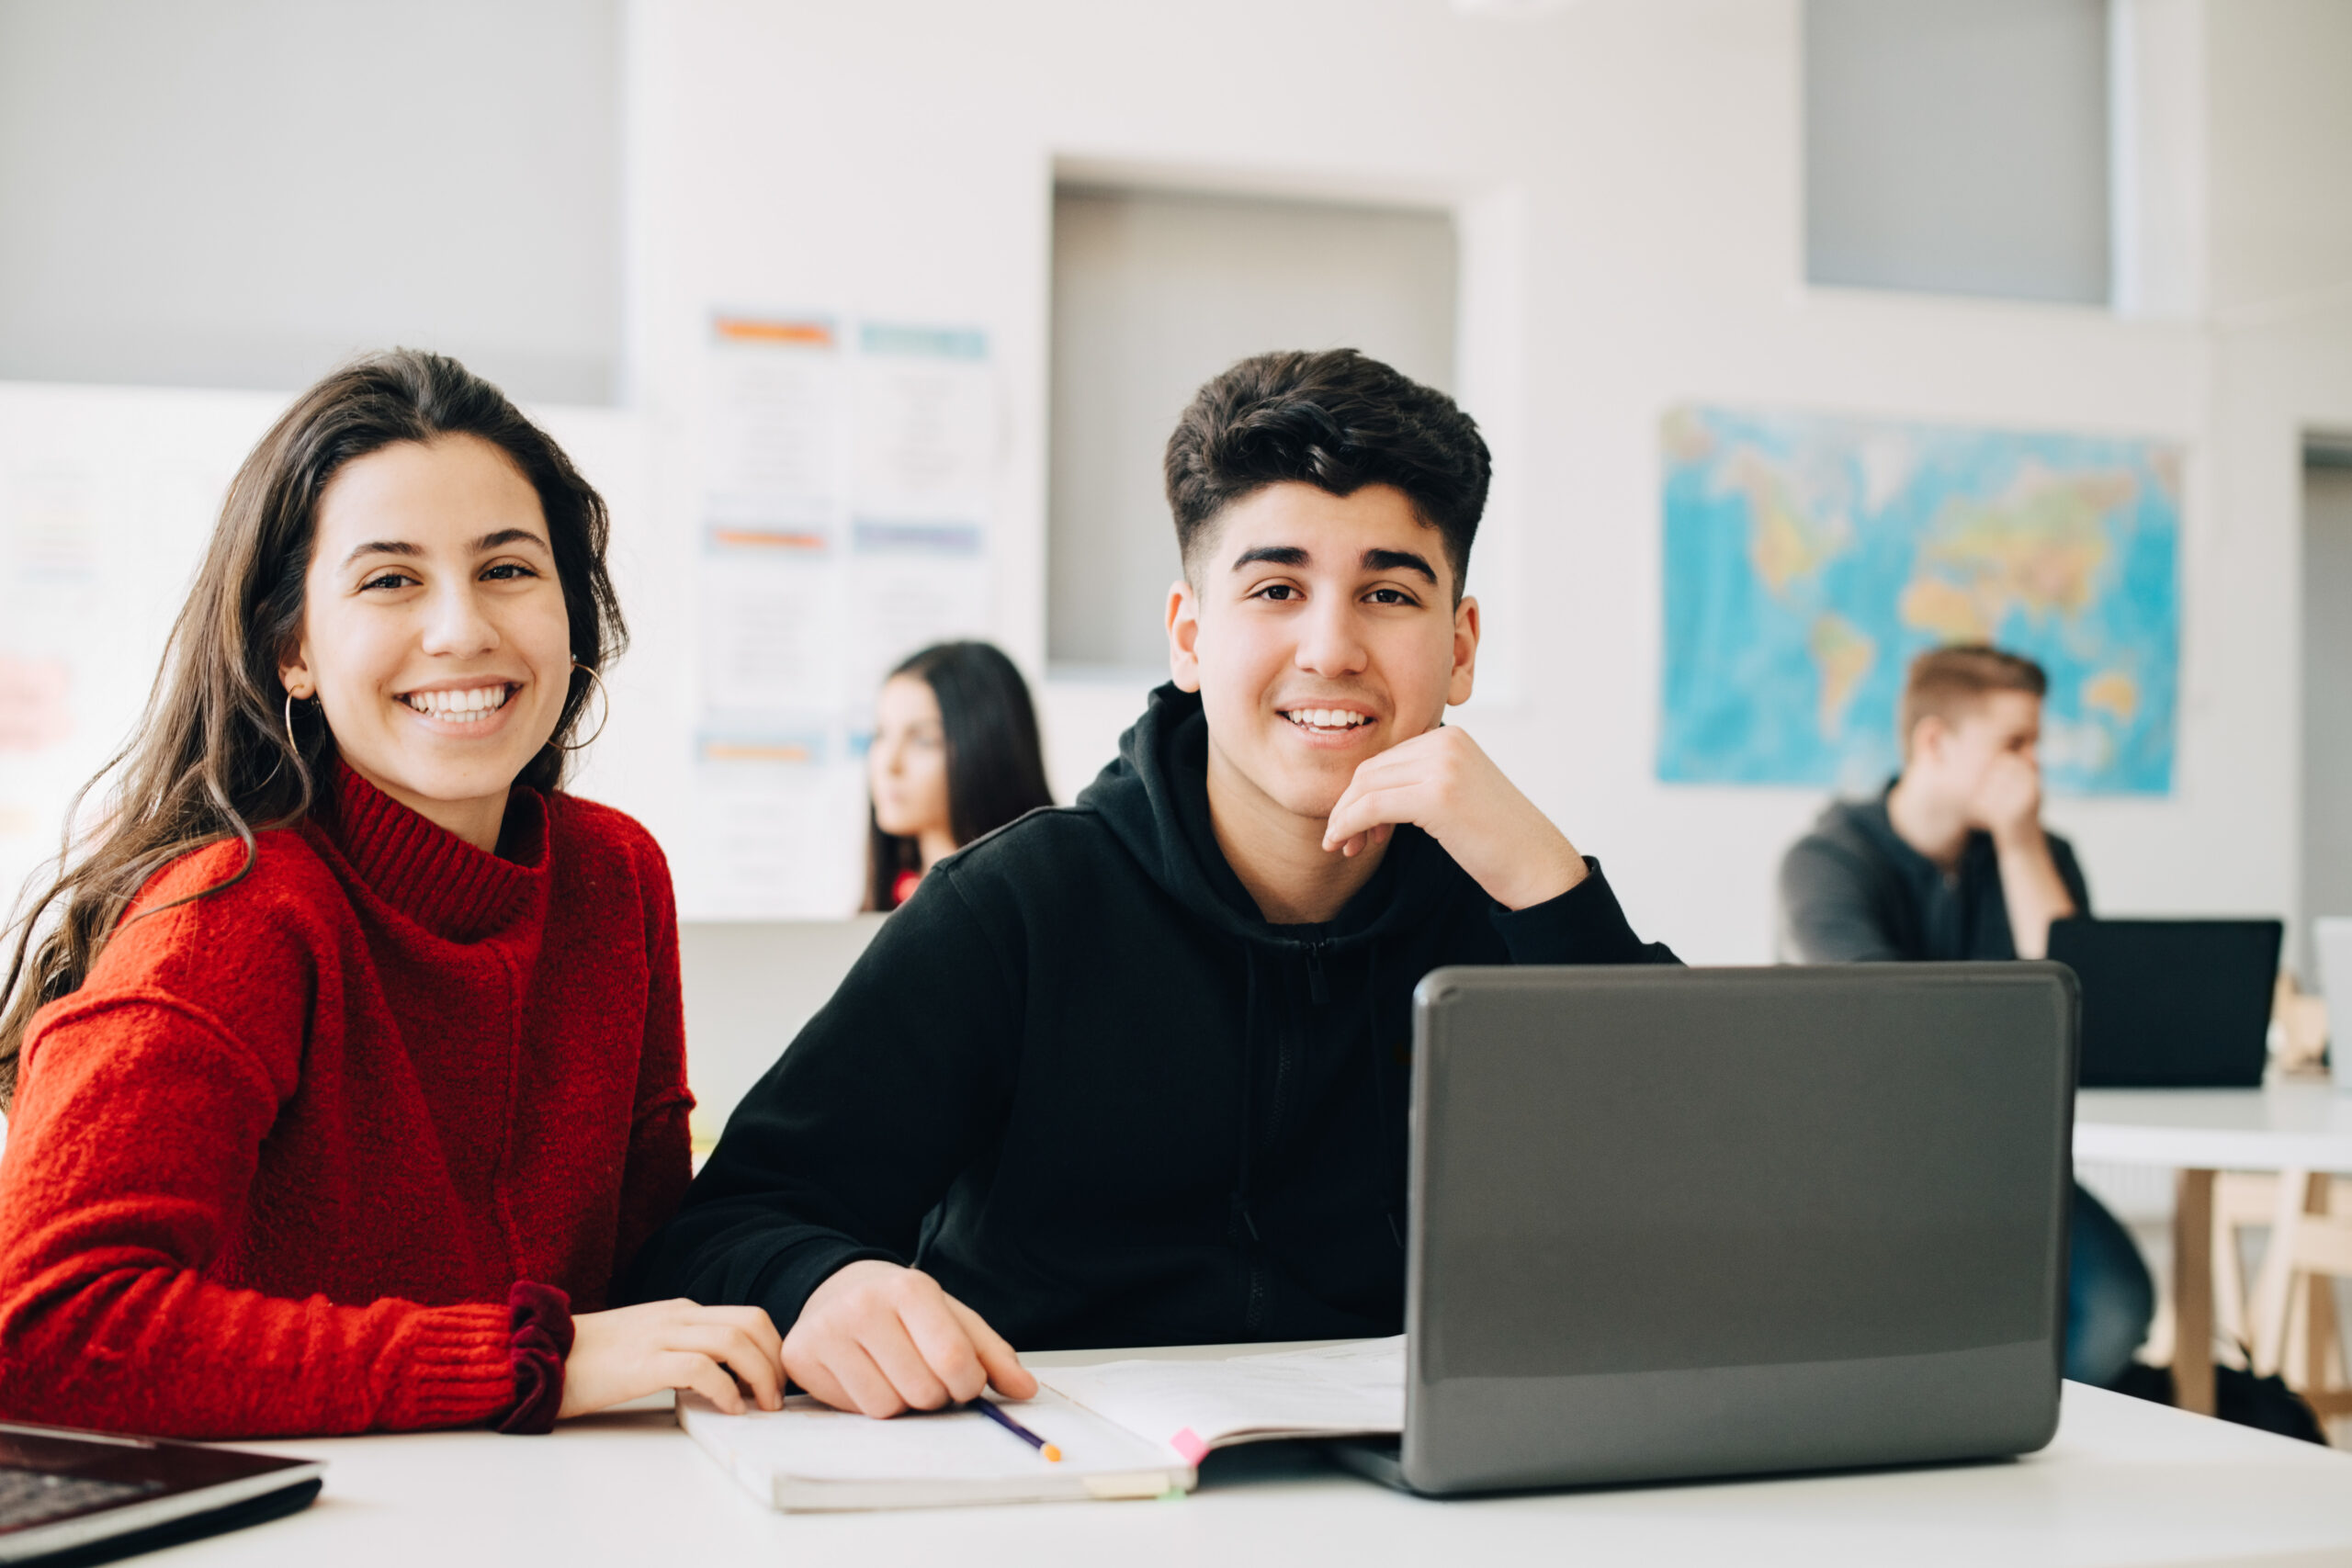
x=1951, y=861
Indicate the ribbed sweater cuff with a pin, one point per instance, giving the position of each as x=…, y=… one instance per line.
x=457, y=1367
x=542, y=1338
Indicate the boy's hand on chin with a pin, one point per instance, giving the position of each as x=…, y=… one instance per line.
x=1442, y=783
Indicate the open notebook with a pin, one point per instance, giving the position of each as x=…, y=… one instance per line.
x=1125, y=1428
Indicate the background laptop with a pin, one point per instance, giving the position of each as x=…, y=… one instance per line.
x=2172, y=1004
x=1686, y=1221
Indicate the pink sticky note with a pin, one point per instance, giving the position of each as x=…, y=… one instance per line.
x=1188, y=1443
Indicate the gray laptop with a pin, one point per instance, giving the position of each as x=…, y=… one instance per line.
x=1673, y=1223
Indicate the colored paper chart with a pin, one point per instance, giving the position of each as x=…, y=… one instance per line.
x=849, y=475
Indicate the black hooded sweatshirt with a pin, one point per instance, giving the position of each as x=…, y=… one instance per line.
x=1082, y=1083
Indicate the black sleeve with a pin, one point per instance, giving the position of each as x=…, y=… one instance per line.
x=1584, y=925
x=1826, y=913
x=859, y=1129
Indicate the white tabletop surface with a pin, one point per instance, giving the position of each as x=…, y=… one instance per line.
x=2301, y=1126
x=2125, y=1482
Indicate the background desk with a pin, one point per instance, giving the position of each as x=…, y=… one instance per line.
x=2126, y=1481
x=2197, y=1131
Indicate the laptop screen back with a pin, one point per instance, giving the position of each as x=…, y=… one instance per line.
x=2172, y=1004
x=1645, y=1189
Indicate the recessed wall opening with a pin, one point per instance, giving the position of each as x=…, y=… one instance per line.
x=1154, y=292
x=2327, y=698
x=241, y=196
x=1959, y=147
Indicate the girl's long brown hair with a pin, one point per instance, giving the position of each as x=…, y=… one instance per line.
x=212, y=758
x=996, y=769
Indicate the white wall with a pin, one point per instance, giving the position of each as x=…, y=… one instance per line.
x=2280, y=92
x=242, y=193
x=1628, y=173
x=1651, y=150
x=2280, y=133
x=1958, y=145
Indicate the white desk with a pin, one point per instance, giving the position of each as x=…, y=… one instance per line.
x=2125, y=1482
x=2285, y=1126
x=2198, y=1132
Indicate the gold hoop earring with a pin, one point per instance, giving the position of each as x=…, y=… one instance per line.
x=584, y=745
x=291, y=741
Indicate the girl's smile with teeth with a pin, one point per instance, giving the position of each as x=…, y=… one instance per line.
x=470, y=705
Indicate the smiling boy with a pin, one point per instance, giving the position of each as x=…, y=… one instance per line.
x=1136, y=1072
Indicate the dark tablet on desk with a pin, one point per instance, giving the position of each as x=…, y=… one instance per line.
x=2172, y=1004
x=69, y=1498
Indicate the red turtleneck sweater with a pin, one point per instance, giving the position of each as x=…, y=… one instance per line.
x=273, y=1169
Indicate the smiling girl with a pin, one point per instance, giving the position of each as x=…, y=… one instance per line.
x=345, y=1052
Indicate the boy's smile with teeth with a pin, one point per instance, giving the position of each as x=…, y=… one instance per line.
x=470, y=705
x=1323, y=630
x=1325, y=718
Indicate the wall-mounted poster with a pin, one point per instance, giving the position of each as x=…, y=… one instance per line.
x=848, y=473
x=1809, y=557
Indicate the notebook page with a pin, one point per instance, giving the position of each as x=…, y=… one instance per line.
x=808, y=1454
x=1193, y=1407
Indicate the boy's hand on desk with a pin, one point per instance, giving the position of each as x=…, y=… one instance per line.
x=1440, y=782
x=633, y=1352
x=880, y=1339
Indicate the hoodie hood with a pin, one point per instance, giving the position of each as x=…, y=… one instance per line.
x=1082, y=1084
x=1155, y=800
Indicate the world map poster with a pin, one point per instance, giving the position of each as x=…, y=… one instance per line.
x=1809, y=557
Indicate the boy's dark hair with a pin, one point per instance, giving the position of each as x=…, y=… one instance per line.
x=1337, y=421
x=1951, y=681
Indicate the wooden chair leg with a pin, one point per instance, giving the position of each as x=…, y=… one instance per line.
x=2272, y=1303
x=2295, y=1345
x=2192, y=1264
x=2324, y=1339
x=2239, y=1199
x=2324, y=1372
x=2229, y=1276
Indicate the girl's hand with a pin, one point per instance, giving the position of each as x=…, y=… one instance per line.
x=629, y=1352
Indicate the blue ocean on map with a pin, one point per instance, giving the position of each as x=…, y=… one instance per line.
x=1809, y=557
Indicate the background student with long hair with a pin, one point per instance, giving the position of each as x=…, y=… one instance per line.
x=955, y=756
x=345, y=1052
